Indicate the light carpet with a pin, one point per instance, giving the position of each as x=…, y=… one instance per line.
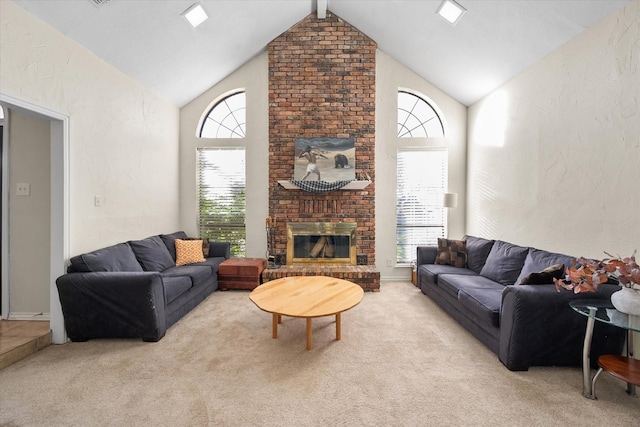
x=401, y=362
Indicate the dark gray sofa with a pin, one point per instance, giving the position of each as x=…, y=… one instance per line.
x=525, y=325
x=135, y=289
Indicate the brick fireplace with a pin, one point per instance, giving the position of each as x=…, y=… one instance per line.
x=322, y=84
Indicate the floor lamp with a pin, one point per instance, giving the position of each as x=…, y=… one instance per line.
x=449, y=200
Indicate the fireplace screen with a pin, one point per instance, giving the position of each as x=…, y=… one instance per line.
x=321, y=242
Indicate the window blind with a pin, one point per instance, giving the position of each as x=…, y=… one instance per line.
x=222, y=197
x=421, y=183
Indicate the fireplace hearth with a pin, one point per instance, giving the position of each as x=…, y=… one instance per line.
x=321, y=242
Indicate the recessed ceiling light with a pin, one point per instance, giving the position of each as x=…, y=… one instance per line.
x=195, y=15
x=451, y=11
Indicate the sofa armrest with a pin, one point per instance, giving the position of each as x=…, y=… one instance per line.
x=426, y=255
x=113, y=305
x=219, y=249
x=538, y=327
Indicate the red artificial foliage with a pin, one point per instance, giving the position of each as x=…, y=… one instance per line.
x=584, y=275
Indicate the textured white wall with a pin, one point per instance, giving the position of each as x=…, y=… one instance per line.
x=391, y=76
x=253, y=77
x=554, y=154
x=123, y=137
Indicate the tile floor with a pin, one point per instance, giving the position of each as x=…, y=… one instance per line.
x=22, y=338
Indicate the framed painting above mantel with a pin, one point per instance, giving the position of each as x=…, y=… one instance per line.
x=325, y=159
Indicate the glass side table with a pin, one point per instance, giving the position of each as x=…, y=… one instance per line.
x=625, y=368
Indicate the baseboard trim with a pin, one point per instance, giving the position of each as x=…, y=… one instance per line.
x=45, y=317
x=400, y=278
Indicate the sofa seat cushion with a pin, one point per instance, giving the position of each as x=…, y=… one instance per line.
x=450, y=283
x=118, y=257
x=481, y=296
x=477, y=252
x=199, y=274
x=152, y=254
x=212, y=263
x=174, y=286
x=432, y=271
x=504, y=262
x=537, y=260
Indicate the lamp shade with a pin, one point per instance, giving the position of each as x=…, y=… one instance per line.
x=450, y=200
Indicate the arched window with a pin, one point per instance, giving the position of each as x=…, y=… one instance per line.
x=227, y=118
x=422, y=171
x=417, y=118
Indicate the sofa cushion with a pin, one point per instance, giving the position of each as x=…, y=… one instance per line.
x=152, y=254
x=504, y=262
x=199, y=274
x=188, y=252
x=477, y=252
x=537, y=260
x=433, y=271
x=482, y=298
x=118, y=257
x=212, y=263
x=169, y=241
x=451, y=252
x=544, y=277
x=486, y=307
x=174, y=286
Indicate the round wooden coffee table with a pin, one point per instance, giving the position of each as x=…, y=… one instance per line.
x=307, y=297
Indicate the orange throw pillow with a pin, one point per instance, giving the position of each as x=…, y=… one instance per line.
x=188, y=252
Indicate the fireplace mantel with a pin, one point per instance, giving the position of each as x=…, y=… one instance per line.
x=353, y=185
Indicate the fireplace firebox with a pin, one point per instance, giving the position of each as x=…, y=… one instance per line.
x=322, y=242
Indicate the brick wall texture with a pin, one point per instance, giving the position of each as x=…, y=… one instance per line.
x=322, y=84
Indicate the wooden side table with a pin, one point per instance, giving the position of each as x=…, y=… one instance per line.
x=240, y=273
x=625, y=368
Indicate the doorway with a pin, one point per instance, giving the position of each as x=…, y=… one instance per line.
x=1, y=198
x=56, y=141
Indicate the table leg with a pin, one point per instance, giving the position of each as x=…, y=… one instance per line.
x=275, y=321
x=631, y=389
x=309, y=339
x=338, y=327
x=587, y=385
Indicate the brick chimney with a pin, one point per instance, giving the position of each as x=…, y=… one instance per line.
x=322, y=84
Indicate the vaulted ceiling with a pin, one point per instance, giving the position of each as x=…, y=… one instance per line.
x=150, y=41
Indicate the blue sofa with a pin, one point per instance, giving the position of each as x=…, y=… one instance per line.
x=524, y=324
x=135, y=289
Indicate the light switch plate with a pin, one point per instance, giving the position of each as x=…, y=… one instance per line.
x=23, y=189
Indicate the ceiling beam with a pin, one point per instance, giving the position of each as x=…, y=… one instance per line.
x=322, y=8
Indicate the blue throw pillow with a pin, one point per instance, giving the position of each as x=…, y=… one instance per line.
x=169, y=241
x=152, y=254
x=118, y=257
x=504, y=262
x=477, y=252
